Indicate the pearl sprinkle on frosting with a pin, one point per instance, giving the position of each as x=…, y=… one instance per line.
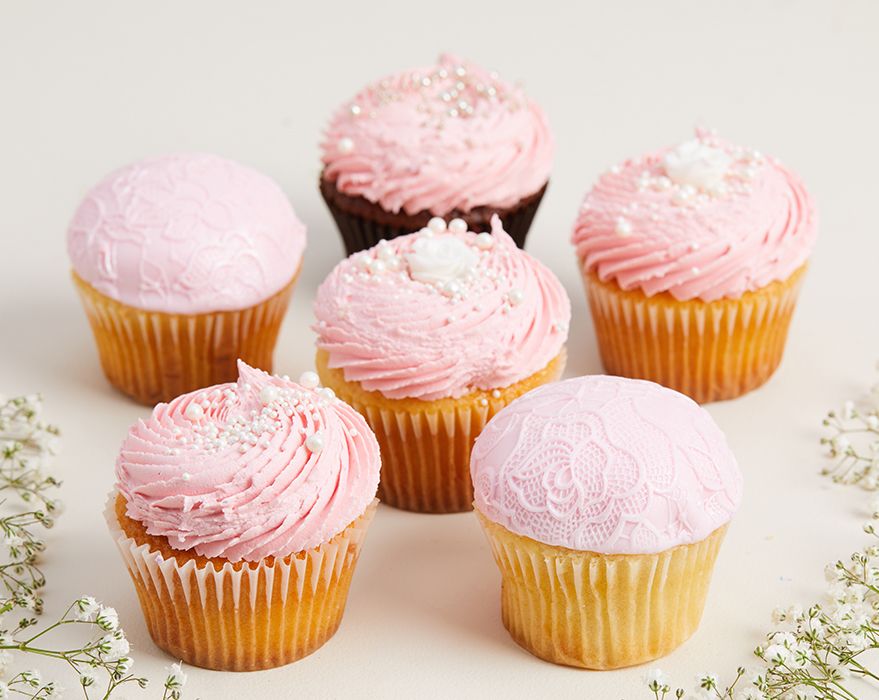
x=262, y=467
x=706, y=219
x=449, y=136
x=448, y=312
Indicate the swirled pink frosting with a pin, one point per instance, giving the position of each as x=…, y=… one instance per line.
x=262, y=467
x=606, y=464
x=432, y=315
x=188, y=233
x=706, y=220
x=447, y=136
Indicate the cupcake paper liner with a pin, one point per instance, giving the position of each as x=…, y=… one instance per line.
x=363, y=224
x=425, y=445
x=154, y=356
x=600, y=611
x=708, y=350
x=243, y=616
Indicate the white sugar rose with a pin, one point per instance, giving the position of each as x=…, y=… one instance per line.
x=440, y=260
x=698, y=165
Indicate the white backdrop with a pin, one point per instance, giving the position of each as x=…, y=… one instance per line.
x=86, y=87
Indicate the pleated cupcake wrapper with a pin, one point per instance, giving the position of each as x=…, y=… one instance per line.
x=426, y=454
x=243, y=617
x=360, y=231
x=154, y=356
x=707, y=350
x=600, y=611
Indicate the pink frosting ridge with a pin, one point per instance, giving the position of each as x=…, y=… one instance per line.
x=262, y=467
x=440, y=313
x=607, y=465
x=706, y=220
x=187, y=233
x=447, y=136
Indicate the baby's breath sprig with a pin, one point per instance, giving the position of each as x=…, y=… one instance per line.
x=853, y=443
x=817, y=653
x=102, y=663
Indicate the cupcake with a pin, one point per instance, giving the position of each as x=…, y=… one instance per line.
x=693, y=258
x=184, y=264
x=239, y=511
x=429, y=335
x=449, y=140
x=605, y=501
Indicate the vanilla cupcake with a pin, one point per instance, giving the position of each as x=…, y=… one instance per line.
x=693, y=258
x=449, y=140
x=184, y=264
x=605, y=501
x=240, y=511
x=428, y=336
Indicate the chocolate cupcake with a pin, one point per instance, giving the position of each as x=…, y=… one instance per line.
x=451, y=140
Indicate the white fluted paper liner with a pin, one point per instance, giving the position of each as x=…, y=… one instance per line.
x=154, y=356
x=242, y=616
x=600, y=611
x=426, y=445
x=708, y=350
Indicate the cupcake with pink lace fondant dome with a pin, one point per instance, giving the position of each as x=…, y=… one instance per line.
x=451, y=140
x=184, y=264
x=428, y=336
x=605, y=501
x=693, y=258
x=239, y=511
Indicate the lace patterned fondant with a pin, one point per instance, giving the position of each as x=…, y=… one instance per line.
x=605, y=464
x=189, y=233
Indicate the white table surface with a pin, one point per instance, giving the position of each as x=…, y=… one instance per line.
x=86, y=87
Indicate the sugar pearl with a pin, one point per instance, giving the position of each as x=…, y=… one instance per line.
x=309, y=380
x=326, y=393
x=484, y=240
x=436, y=224
x=495, y=394
x=185, y=476
x=345, y=145
x=623, y=227
x=194, y=412
x=268, y=394
x=315, y=442
x=458, y=226
x=515, y=297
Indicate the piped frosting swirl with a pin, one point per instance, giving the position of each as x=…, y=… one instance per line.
x=248, y=470
x=439, y=138
x=705, y=220
x=440, y=313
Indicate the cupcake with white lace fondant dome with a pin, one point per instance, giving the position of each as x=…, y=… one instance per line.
x=240, y=510
x=184, y=264
x=428, y=335
x=693, y=258
x=605, y=501
x=452, y=140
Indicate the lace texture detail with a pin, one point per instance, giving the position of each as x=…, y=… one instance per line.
x=190, y=233
x=605, y=464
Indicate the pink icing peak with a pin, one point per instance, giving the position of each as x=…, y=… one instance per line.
x=440, y=314
x=608, y=465
x=186, y=233
x=706, y=220
x=447, y=136
x=262, y=467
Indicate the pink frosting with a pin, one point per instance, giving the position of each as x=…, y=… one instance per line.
x=432, y=315
x=189, y=233
x=438, y=138
x=264, y=467
x=713, y=222
x=608, y=465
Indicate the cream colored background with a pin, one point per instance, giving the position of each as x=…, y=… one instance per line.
x=86, y=87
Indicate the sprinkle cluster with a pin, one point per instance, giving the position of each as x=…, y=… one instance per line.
x=453, y=90
x=243, y=429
